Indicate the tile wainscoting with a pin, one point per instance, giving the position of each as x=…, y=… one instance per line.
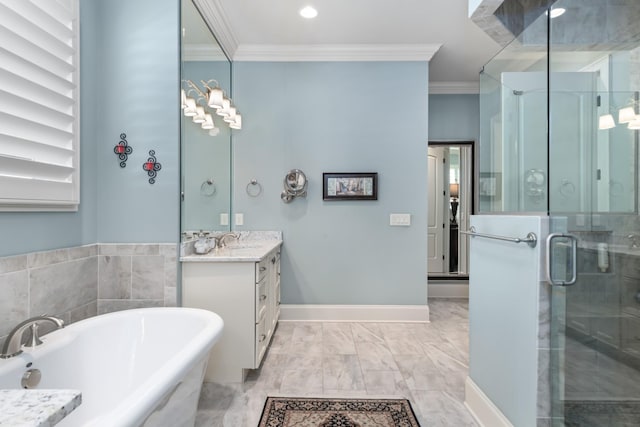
x=80, y=282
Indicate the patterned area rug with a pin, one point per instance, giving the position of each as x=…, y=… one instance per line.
x=314, y=412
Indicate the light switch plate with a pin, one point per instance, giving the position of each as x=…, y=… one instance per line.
x=403, y=220
x=224, y=219
x=239, y=219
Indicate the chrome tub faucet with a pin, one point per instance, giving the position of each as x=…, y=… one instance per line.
x=13, y=343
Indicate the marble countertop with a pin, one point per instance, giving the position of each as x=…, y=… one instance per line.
x=37, y=407
x=249, y=247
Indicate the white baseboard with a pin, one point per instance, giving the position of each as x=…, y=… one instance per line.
x=482, y=408
x=354, y=313
x=448, y=290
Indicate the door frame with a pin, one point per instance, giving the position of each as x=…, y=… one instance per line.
x=467, y=206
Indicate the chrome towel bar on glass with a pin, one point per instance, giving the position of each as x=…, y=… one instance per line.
x=530, y=240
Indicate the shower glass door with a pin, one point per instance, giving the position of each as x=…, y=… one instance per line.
x=592, y=185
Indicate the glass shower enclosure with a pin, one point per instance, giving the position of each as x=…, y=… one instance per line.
x=559, y=138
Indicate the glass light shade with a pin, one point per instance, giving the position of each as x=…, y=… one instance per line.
x=626, y=115
x=208, y=122
x=606, y=122
x=224, y=111
x=199, y=117
x=190, y=109
x=214, y=131
x=237, y=123
x=453, y=189
x=232, y=115
x=635, y=124
x=215, y=97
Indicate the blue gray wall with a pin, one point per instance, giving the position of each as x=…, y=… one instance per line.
x=128, y=83
x=337, y=117
x=454, y=117
x=137, y=83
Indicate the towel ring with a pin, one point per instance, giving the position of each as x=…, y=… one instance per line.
x=254, y=188
x=208, y=187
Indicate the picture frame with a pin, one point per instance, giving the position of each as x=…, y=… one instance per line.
x=490, y=185
x=350, y=186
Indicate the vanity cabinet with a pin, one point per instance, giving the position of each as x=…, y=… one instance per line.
x=246, y=294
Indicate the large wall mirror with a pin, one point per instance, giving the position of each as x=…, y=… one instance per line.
x=205, y=154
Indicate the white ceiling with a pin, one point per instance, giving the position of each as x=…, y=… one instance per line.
x=368, y=24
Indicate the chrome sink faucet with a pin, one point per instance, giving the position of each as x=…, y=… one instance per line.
x=223, y=237
x=13, y=343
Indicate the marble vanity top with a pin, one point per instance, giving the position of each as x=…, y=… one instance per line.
x=251, y=246
x=36, y=408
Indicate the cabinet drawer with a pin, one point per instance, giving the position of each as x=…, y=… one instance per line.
x=261, y=300
x=262, y=269
x=261, y=341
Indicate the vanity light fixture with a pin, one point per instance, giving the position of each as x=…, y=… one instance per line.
x=606, y=122
x=237, y=123
x=215, y=95
x=308, y=12
x=199, y=117
x=201, y=105
x=634, y=124
x=190, y=109
x=225, y=110
x=231, y=117
x=626, y=115
x=183, y=99
x=208, y=122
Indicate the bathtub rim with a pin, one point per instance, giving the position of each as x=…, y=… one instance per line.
x=150, y=392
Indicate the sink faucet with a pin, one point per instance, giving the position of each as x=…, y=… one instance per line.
x=13, y=343
x=221, y=239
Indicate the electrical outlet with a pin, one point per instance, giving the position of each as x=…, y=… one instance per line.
x=239, y=219
x=224, y=219
x=403, y=220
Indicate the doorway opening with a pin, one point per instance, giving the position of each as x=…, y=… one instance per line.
x=450, y=204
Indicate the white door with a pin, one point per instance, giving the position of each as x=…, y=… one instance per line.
x=435, y=206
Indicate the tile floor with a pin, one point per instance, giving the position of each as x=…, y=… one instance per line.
x=426, y=363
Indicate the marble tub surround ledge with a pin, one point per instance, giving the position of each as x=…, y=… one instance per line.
x=80, y=282
x=36, y=408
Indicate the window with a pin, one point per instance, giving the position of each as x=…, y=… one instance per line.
x=39, y=105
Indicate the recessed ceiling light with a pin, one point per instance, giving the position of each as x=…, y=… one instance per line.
x=308, y=12
x=557, y=11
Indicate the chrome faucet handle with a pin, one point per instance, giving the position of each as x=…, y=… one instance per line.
x=13, y=343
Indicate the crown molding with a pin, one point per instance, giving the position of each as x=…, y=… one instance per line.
x=216, y=18
x=450, y=88
x=361, y=52
x=199, y=52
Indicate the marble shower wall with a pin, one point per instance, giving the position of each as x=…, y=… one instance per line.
x=81, y=282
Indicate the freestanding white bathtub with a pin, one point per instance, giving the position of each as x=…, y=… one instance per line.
x=141, y=367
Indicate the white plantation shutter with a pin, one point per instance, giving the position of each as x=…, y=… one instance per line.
x=39, y=105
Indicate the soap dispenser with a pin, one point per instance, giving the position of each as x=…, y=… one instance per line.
x=202, y=246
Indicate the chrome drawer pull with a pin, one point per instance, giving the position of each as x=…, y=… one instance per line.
x=263, y=297
x=262, y=269
x=262, y=337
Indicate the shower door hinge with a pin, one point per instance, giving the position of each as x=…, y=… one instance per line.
x=598, y=101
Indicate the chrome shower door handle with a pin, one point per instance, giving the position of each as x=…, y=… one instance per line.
x=572, y=259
